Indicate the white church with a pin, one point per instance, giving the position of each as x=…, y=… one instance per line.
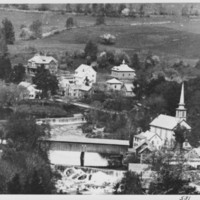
x=162, y=127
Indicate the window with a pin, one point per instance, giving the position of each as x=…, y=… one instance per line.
x=115, y=86
x=122, y=74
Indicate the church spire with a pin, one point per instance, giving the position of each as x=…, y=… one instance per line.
x=181, y=111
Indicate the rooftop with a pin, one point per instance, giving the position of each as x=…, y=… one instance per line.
x=114, y=81
x=165, y=121
x=87, y=140
x=129, y=87
x=83, y=68
x=148, y=135
x=40, y=59
x=123, y=67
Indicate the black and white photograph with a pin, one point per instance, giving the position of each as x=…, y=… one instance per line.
x=100, y=98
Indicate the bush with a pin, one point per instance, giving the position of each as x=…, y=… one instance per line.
x=69, y=23
x=120, y=56
x=107, y=39
x=43, y=7
x=36, y=29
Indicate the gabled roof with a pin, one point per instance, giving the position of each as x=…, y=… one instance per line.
x=85, y=88
x=141, y=143
x=197, y=150
x=147, y=147
x=168, y=122
x=148, y=135
x=114, y=81
x=123, y=68
x=129, y=87
x=140, y=136
x=42, y=59
x=84, y=68
x=26, y=84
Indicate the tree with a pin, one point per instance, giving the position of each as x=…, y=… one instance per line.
x=9, y=31
x=91, y=49
x=135, y=61
x=87, y=9
x=103, y=61
x=23, y=6
x=24, y=131
x=43, y=7
x=142, y=10
x=181, y=134
x=130, y=184
x=3, y=44
x=170, y=181
x=108, y=9
x=36, y=184
x=100, y=19
x=46, y=82
x=5, y=68
x=68, y=8
x=36, y=28
x=121, y=7
x=79, y=8
x=17, y=73
x=69, y=22
x=14, y=186
x=100, y=15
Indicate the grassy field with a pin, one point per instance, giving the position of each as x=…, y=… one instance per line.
x=179, y=39
x=164, y=41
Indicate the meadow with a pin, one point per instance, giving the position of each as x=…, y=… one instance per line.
x=178, y=38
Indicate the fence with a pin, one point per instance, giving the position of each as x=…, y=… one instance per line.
x=62, y=121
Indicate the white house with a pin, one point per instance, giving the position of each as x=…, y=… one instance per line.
x=38, y=60
x=85, y=73
x=127, y=90
x=31, y=90
x=78, y=91
x=114, y=84
x=193, y=157
x=123, y=72
x=153, y=138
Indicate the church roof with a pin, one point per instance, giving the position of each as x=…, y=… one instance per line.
x=167, y=122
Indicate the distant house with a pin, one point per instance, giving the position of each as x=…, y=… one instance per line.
x=38, y=60
x=127, y=90
x=85, y=74
x=85, y=90
x=78, y=91
x=123, y=72
x=153, y=138
x=30, y=92
x=193, y=157
x=114, y=84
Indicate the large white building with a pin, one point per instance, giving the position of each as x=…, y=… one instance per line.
x=85, y=73
x=38, y=60
x=31, y=91
x=164, y=126
x=123, y=72
x=114, y=84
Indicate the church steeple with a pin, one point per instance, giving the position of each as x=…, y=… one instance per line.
x=181, y=111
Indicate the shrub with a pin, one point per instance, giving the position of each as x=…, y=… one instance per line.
x=107, y=39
